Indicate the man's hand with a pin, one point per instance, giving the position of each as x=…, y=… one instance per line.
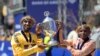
x=49, y=33
x=42, y=46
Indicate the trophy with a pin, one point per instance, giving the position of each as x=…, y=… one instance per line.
x=49, y=25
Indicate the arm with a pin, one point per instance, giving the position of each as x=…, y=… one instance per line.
x=88, y=48
x=18, y=49
x=66, y=44
x=61, y=35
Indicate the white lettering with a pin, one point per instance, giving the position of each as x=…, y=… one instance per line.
x=72, y=1
x=44, y=2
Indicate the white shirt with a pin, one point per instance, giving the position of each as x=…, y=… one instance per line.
x=96, y=37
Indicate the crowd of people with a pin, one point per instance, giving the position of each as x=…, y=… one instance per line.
x=7, y=28
x=81, y=41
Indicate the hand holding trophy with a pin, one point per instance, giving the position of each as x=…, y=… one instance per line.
x=63, y=44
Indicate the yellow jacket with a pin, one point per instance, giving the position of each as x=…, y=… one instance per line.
x=19, y=42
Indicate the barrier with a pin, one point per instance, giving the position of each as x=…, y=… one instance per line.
x=5, y=48
x=97, y=52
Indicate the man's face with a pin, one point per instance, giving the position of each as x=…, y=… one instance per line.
x=27, y=24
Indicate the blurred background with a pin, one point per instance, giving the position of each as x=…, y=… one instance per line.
x=70, y=12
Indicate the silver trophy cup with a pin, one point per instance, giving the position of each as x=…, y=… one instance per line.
x=49, y=25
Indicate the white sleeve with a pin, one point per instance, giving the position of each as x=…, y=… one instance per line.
x=70, y=35
x=95, y=36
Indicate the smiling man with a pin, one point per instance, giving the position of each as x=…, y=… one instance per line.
x=24, y=42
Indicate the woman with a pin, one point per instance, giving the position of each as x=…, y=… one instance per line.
x=83, y=45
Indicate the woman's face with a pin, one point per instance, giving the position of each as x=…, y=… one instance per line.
x=84, y=32
x=59, y=25
x=38, y=29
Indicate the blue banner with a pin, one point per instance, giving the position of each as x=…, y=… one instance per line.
x=72, y=14
x=37, y=8
x=17, y=18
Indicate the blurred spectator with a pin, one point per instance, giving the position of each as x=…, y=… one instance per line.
x=2, y=33
x=89, y=20
x=10, y=25
x=38, y=30
x=96, y=35
x=88, y=5
x=6, y=19
x=73, y=35
x=1, y=14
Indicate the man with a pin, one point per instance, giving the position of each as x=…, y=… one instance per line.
x=24, y=42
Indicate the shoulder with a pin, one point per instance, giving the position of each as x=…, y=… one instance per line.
x=33, y=34
x=72, y=33
x=17, y=33
x=15, y=37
